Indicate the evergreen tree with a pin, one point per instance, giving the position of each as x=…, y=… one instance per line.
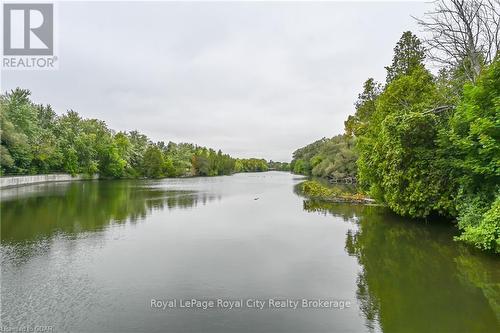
x=365, y=107
x=409, y=54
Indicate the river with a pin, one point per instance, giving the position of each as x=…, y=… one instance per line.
x=94, y=256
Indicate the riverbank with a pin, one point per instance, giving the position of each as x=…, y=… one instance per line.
x=17, y=181
x=315, y=190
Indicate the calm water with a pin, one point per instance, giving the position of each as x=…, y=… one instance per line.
x=90, y=256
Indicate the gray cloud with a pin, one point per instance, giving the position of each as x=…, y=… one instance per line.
x=253, y=79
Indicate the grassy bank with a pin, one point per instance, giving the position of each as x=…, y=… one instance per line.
x=315, y=190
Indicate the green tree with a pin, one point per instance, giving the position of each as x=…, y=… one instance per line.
x=47, y=155
x=409, y=55
x=334, y=158
x=473, y=142
x=139, y=143
x=153, y=164
x=400, y=161
x=365, y=107
x=19, y=120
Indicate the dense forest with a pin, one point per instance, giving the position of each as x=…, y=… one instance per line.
x=35, y=140
x=427, y=143
x=333, y=158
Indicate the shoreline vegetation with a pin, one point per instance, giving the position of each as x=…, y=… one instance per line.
x=313, y=189
x=427, y=144
x=35, y=140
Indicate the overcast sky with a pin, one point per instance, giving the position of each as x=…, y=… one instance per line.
x=253, y=79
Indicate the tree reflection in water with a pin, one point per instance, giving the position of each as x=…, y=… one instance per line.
x=414, y=277
x=73, y=208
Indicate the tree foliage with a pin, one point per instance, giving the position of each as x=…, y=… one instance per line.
x=409, y=55
x=365, y=107
x=473, y=142
x=425, y=151
x=425, y=144
x=34, y=139
x=333, y=158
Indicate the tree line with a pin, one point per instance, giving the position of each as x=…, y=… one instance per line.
x=35, y=140
x=428, y=144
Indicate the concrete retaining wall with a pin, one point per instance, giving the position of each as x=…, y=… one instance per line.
x=14, y=181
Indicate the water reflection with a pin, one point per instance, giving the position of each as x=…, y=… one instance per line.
x=75, y=256
x=348, y=213
x=73, y=208
x=414, y=277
